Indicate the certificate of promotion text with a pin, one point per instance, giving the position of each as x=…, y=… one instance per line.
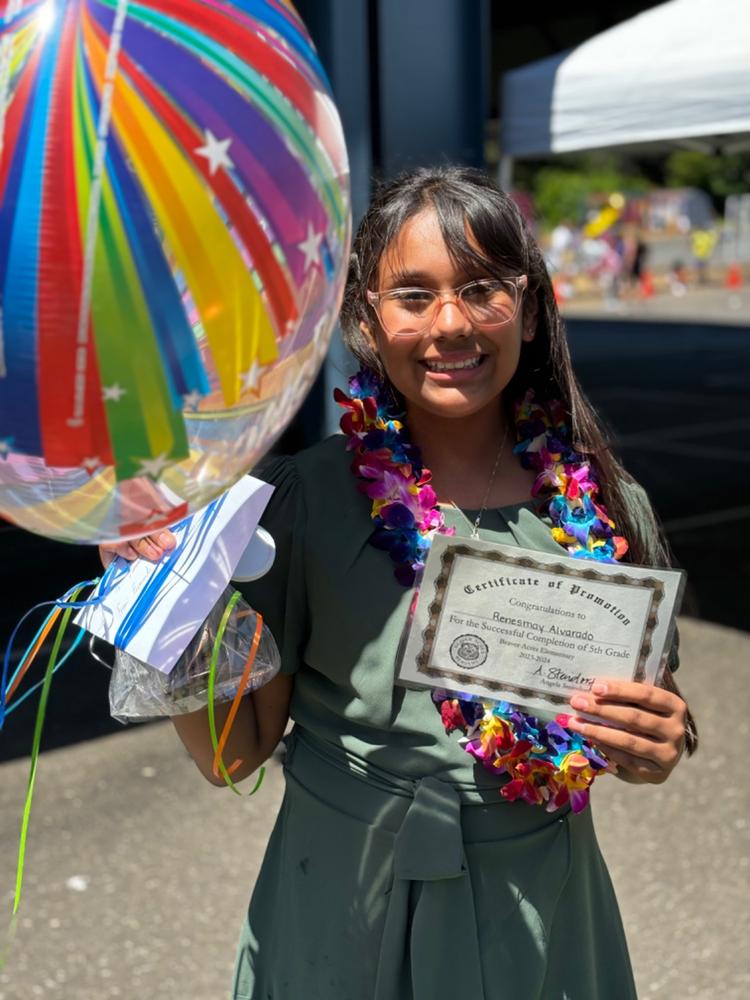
x=509, y=624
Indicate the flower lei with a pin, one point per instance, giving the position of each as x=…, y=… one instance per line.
x=547, y=763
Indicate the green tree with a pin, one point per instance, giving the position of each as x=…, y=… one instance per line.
x=570, y=192
x=718, y=175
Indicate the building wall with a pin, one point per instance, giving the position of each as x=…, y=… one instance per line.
x=411, y=81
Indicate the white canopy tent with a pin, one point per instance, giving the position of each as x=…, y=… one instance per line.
x=676, y=75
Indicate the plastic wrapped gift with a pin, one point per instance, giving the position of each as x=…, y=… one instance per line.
x=138, y=692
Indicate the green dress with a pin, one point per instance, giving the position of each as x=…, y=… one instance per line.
x=395, y=870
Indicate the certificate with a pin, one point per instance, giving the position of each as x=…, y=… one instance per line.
x=509, y=624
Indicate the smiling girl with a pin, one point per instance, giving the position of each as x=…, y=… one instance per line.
x=400, y=868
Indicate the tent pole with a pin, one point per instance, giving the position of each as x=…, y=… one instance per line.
x=505, y=172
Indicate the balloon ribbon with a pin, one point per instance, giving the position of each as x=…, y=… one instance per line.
x=219, y=743
x=38, y=727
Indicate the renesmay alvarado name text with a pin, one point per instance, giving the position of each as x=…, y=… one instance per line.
x=529, y=581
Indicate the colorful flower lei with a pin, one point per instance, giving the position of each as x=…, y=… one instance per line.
x=547, y=763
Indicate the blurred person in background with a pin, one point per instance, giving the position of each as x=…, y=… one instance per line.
x=703, y=242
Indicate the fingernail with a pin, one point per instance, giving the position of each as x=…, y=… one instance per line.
x=599, y=687
x=578, y=701
x=166, y=538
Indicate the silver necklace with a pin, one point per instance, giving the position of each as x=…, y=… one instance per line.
x=475, y=525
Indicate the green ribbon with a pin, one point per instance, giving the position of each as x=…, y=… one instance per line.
x=36, y=743
x=211, y=688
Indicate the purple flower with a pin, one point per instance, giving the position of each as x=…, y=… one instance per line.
x=559, y=739
x=365, y=383
x=406, y=574
x=397, y=516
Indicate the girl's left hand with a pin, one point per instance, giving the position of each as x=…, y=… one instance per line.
x=650, y=727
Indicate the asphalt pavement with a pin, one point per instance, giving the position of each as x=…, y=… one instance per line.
x=139, y=872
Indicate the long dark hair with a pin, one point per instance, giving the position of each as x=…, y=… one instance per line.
x=466, y=200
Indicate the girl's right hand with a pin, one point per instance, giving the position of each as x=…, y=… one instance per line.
x=151, y=547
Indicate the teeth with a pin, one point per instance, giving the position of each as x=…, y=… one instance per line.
x=450, y=366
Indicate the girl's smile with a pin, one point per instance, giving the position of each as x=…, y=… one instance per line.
x=454, y=367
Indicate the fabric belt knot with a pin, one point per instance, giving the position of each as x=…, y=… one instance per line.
x=429, y=844
x=431, y=900
x=430, y=897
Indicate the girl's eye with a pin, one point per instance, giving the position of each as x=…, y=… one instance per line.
x=481, y=291
x=411, y=296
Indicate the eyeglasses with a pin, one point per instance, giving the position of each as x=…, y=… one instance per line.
x=487, y=303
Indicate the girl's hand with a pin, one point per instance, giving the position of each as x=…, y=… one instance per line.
x=150, y=547
x=650, y=734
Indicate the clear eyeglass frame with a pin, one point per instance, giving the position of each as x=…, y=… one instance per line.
x=519, y=283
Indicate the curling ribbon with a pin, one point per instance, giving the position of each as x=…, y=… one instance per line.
x=38, y=727
x=218, y=745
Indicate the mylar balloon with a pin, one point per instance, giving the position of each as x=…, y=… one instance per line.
x=174, y=234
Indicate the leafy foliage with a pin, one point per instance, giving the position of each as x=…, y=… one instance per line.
x=718, y=175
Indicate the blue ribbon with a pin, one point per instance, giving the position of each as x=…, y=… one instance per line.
x=27, y=694
x=107, y=582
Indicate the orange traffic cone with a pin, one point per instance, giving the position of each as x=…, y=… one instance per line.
x=647, y=285
x=733, y=277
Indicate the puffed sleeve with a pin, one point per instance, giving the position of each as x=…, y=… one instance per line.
x=281, y=595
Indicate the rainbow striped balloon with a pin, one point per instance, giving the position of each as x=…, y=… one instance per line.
x=174, y=233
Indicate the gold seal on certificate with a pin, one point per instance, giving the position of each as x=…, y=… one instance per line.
x=509, y=624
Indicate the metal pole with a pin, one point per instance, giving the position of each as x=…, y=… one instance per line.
x=505, y=172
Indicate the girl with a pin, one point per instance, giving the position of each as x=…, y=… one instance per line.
x=397, y=869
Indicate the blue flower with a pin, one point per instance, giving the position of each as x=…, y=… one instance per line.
x=365, y=383
x=600, y=553
x=578, y=520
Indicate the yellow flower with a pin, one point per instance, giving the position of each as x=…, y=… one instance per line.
x=562, y=537
x=576, y=770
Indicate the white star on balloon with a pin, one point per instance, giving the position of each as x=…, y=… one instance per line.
x=192, y=399
x=154, y=466
x=250, y=378
x=113, y=392
x=310, y=247
x=91, y=463
x=216, y=151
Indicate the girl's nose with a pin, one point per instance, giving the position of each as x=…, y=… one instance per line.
x=450, y=321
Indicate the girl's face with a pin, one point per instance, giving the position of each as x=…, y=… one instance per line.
x=419, y=257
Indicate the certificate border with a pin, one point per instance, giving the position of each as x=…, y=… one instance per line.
x=583, y=571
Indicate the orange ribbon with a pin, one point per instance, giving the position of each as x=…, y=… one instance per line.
x=29, y=658
x=225, y=733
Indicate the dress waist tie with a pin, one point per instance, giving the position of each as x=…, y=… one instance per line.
x=431, y=897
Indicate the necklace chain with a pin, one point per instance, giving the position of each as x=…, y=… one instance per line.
x=475, y=525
